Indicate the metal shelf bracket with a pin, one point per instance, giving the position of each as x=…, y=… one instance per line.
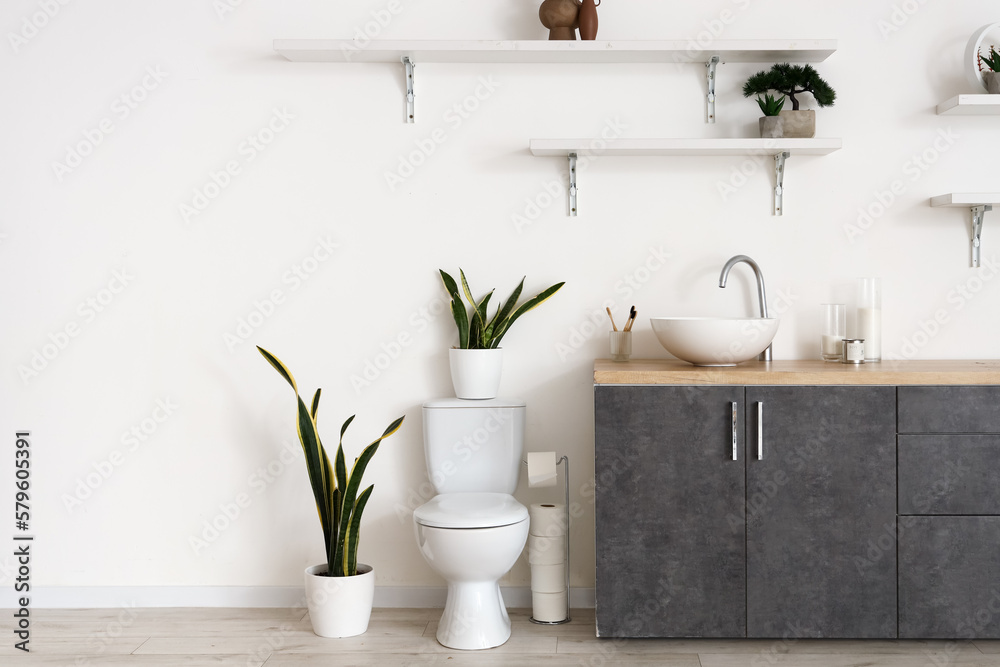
x=410, y=97
x=779, y=180
x=978, y=215
x=572, y=185
x=711, y=65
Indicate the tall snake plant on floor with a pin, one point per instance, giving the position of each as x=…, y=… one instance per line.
x=337, y=500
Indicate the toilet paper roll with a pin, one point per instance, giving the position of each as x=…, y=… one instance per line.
x=546, y=550
x=541, y=469
x=548, y=578
x=548, y=606
x=547, y=519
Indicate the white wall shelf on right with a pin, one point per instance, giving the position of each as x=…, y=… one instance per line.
x=970, y=105
x=977, y=202
x=779, y=149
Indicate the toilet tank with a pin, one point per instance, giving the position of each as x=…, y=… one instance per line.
x=473, y=446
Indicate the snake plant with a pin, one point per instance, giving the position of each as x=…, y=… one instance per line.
x=478, y=332
x=336, y=492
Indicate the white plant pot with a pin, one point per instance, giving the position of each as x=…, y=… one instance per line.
x=340, y=606
x=476, y=373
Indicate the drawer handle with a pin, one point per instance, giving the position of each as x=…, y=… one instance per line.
x=760, y=430
x=735, y=451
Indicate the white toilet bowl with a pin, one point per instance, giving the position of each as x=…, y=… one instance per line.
x=472, y=539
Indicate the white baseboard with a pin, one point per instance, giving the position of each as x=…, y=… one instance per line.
x=99, y=597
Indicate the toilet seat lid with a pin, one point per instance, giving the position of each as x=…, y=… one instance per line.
x=471, y=510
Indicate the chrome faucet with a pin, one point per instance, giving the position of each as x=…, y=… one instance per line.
x=761, y=293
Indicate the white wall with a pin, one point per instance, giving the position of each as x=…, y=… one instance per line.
x=161, y=337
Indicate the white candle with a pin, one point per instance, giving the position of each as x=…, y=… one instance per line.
x=870, y=328
x=832, y=346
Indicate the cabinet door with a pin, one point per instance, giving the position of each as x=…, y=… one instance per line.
x=821, y=506
x=949, y=567
x=670, y=512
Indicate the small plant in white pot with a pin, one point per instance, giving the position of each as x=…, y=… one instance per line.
x=792, y=80
x=991, y=75
x=341, y=591
x=477, y=362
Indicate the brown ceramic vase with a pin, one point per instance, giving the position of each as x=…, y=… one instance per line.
x=588, y=20
x=561, y=17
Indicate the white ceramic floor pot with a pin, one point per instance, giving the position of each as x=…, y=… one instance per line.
x=340, y=606
x=476, y=373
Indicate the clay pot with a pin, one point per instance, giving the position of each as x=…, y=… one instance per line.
x=588, y=20
x=561, y=17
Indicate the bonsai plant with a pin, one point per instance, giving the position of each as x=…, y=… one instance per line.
x=339, y=592
x=771, y=124
x=477, y=362
x=792, y=80
x=990, y=77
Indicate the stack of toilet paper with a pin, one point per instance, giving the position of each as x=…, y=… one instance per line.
x=547, y=557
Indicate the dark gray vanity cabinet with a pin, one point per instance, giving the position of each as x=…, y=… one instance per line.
x=821, y=512
x=670, y=494
x=949, y=507
x=692, y=543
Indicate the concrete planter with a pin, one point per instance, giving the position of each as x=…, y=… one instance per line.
x=799, y=124
x=772, y=127
x=992, y=82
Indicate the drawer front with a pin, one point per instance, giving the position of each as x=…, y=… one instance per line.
x=949, y=409
x=949, y=474
x=949, y=577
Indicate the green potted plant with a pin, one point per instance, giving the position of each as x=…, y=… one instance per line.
x=340, y=591
x=477, y=362
x=792, y=80
x=771, y=123
x=990, y=74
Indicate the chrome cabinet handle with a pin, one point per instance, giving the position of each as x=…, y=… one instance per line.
x=735, y=451
x=760, y=430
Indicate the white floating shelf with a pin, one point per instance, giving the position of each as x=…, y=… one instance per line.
x=412, y=52
x=545, y=51
x=971, y=105
x=966, y=199
x=681, y=147
x=979, y=203
x=779, y=149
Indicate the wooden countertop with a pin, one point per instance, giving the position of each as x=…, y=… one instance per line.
x=672, y=371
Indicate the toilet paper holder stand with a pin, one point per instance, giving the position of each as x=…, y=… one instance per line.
x=563, y=460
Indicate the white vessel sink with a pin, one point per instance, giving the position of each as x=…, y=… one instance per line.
x=714, y=341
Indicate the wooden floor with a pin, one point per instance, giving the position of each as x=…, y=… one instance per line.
x=283, y=638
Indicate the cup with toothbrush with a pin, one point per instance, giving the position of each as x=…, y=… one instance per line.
x=621, y=341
